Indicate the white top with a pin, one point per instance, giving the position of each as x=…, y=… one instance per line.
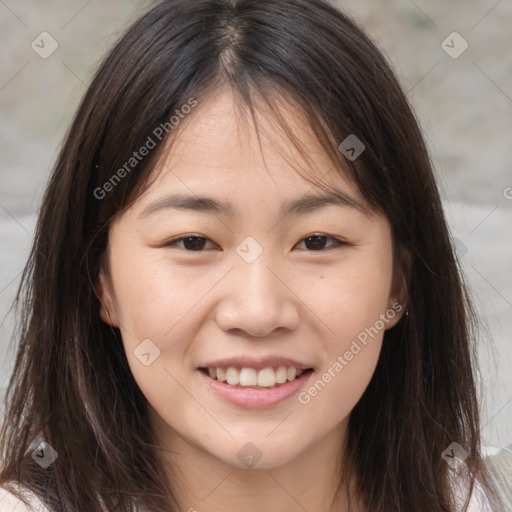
x=478, y=501
x=9, y=503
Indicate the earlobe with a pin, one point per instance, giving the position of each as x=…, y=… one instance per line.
x=398, y=299
x=396, y=311
x=107, y=310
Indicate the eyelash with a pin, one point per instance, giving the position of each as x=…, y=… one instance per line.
x=338, y=243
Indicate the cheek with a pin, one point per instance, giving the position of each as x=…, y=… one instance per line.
x=152, y=296
x=350, y=356
x=154, y=304
x=162, y=303
x=352, y=295
x=352, y=301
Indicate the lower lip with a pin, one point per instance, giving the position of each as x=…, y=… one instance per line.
x=256, y=398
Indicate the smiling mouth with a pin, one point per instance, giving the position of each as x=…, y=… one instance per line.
x=249, y=378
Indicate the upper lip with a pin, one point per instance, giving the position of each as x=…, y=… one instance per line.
x=257, y=364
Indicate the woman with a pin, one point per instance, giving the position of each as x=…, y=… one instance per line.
x=242, y=292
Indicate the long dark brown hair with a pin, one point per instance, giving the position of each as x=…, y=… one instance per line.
x=72, y=385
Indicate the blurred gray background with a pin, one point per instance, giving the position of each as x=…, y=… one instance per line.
x=464, y=103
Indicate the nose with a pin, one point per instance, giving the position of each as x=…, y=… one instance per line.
x=257, y=300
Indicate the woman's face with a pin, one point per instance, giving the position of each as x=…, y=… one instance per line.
x=262, y=290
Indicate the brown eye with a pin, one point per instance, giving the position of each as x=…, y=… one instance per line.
x=190, y=243
x=318, y=242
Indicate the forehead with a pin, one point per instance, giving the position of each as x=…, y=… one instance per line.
x=219, y=144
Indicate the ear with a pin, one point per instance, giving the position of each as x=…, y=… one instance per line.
x=398, y=297
x=104, y=290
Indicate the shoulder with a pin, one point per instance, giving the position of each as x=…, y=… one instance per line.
x=9, y=502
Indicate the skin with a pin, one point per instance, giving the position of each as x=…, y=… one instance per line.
x=293, y=301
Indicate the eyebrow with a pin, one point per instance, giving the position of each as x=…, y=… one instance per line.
x=299, y=206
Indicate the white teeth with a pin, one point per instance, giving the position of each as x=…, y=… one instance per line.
x=266, y=378
x=221, y=374
x=232, y=376
x=248, y=377
x=281, y=375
